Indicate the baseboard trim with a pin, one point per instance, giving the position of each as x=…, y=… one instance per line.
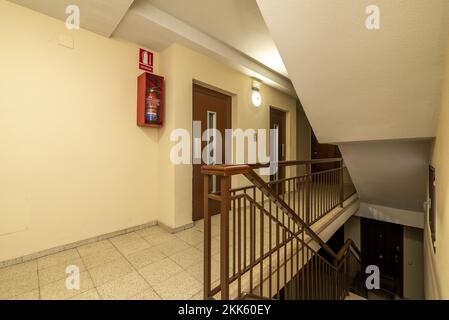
x=177, y=229
x=72, y=245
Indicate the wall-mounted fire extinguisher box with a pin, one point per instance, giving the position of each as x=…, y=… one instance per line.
x=150, y=100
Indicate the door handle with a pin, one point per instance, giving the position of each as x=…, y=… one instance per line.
x=381, y=257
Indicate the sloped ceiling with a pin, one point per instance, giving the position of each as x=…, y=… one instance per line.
x=157, y=29
x=237, y=23
x=99, y=16
x=357, y=84
x=376, y=93
x=389, y=173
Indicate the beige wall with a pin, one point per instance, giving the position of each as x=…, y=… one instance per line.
x=182, y=67
x=73, y=162
x=352, y=230
x=413, y=264
x=437, y=262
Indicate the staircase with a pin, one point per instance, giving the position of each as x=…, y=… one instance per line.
x=268, y=243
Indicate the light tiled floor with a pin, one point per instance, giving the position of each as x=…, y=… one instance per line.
x=147, y=264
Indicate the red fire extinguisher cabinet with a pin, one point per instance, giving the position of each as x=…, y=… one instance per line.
x=150, y=100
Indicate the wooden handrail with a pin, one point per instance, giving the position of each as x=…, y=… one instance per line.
x=337, y=256
x=287, y=163
x=224, y=170
x=229, y=170
x=234, y=169
x=297, y=223
x=262, y=209
x=346, y=246
x=292, y=214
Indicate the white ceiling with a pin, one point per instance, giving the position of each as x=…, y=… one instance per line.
x=139, y=29
x=152, y=27
x=373, y=92
x=99, y=16
x=389, y=173
x=237, y=23
x=357, y=84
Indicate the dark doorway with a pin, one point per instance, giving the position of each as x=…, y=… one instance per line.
x=277, y=121
x=382, y=246
x=213, y=109
x=335, y=242
x=322, y=151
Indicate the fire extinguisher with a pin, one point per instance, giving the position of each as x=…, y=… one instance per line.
x=152, y=105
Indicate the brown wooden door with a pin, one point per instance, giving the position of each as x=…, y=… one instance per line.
x=382, y=246
x=213, y=109
x=277, y=121
x=323, y=151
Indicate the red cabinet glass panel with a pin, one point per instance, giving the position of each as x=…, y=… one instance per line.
x=150, y=100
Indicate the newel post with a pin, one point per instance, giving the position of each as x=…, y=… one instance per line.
x=207, y=239
x=225, y=186
x=348, y=272
x=308, y=191
x=342, y=187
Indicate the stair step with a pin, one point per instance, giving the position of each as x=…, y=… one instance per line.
x=353, y=296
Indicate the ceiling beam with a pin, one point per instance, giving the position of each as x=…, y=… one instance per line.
x=199, y=41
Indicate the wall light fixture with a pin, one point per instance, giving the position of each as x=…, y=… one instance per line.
x=256, y=97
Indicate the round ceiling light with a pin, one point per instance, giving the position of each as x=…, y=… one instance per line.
x=256, y=98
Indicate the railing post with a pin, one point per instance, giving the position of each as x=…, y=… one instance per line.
x=207, y=239
x=342, y=186
x=308, y=205
x=225, y=186
x=348, y=273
